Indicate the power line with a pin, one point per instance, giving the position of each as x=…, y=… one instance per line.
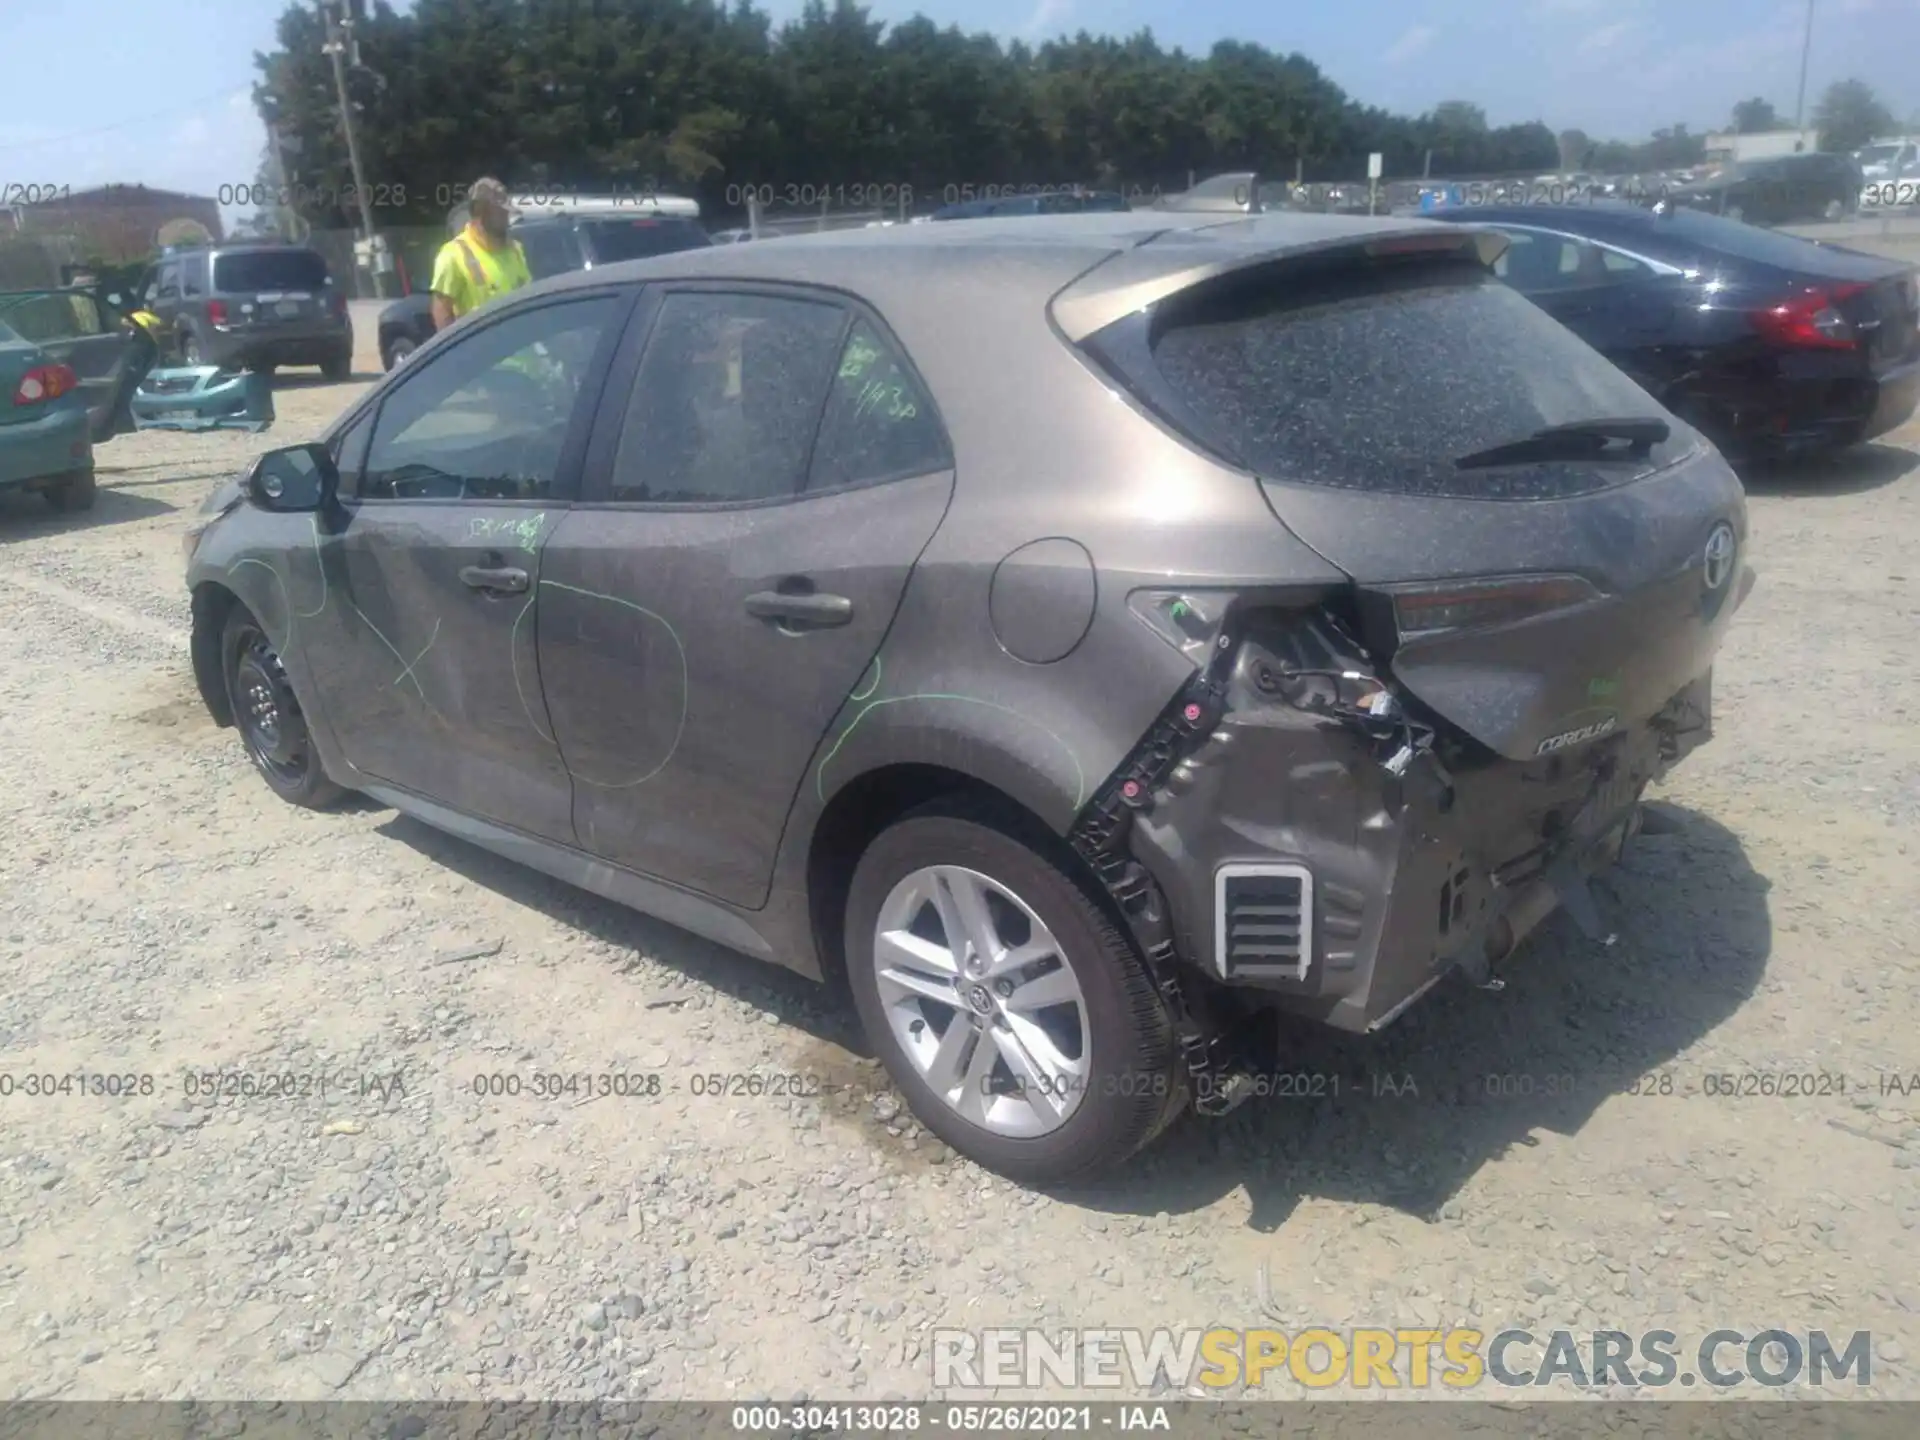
x=219, y=94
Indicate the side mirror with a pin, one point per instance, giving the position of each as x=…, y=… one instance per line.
x=293, y=480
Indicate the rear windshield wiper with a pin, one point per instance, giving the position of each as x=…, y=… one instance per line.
x=1625, y=438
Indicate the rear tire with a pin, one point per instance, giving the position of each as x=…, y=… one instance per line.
x=1112, y=1093
x=337, y=367
x=267, y=713
x=398, y=349
x=76, y=492
x=190, y=355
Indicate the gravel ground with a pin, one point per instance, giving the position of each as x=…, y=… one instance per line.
x=390, y=1233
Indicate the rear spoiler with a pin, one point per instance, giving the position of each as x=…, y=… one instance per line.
x=1236, y=192
x=1177, y=259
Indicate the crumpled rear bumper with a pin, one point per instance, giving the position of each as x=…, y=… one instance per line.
x=1406, y=877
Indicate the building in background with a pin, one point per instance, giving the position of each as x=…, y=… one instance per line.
x=110, y=223
x=1761, y=145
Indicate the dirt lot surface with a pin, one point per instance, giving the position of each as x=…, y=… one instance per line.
x=389, y=1232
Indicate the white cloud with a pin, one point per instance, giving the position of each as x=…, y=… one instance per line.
x=1047, y=16
x=1411, y=43
x=1609, y=14
x=1608, y=37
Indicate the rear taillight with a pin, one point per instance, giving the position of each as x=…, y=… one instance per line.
x=1424, y=610
x=44, y=382
x=216, y=312
x=1809, y=320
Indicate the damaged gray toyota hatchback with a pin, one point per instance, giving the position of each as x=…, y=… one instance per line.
x=1082, y=635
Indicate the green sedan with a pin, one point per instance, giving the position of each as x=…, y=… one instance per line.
x=46, y=442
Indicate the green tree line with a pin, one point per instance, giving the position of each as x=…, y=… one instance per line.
x=707, y=97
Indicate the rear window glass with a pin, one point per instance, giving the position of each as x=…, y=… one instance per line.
x=249, y=270
x=640, y=237
x=1686, y=230
x=1371, y=377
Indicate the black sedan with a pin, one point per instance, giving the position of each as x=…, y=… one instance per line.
x=1771, y=345
x=1778, y=190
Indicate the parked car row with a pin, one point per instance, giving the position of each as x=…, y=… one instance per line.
x=1087, y=635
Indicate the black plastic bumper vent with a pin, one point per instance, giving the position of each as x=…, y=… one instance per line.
x=1263, y=921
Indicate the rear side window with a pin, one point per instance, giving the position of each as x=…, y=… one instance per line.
x=1690, y=231
x=879, y=424
x=1377, y=377
x=727, y=399
x=51, y=316
x=546, y=250
x=239, y=272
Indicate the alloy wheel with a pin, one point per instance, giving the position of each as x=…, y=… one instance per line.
x=982, y=1000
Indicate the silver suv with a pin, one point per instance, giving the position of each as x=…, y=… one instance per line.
x=253, y=306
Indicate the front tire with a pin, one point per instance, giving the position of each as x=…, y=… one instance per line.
x=190, y=353
x=75, y=492
x=1015, y=1016
x=272, y=727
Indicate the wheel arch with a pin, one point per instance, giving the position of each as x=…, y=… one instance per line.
x=212, y=603
x=866, y=805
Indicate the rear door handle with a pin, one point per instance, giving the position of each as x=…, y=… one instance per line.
x=482, y=577
x=800, y=609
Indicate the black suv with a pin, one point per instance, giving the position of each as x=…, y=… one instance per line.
x=1816, y=186
x=252, y=306
x=555, y=244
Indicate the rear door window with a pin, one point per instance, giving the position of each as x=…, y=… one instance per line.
x=727, y=399
x=611, y=241
x=251, y=271
x=1378, y=377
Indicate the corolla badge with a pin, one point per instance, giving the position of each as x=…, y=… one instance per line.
x=1575, y=737
x=1718, y=556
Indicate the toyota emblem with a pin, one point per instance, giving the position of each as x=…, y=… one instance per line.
x=1718, y=557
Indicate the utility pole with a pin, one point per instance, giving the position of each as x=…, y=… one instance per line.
x=1806, y=48
x=339, y=42
x=286, y=218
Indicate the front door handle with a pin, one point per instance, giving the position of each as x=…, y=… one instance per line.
x=809, y=608
x=505, y=580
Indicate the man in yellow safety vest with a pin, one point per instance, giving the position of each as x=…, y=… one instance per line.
x=482, y=262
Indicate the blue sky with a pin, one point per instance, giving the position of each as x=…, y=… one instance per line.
x=155, y=91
